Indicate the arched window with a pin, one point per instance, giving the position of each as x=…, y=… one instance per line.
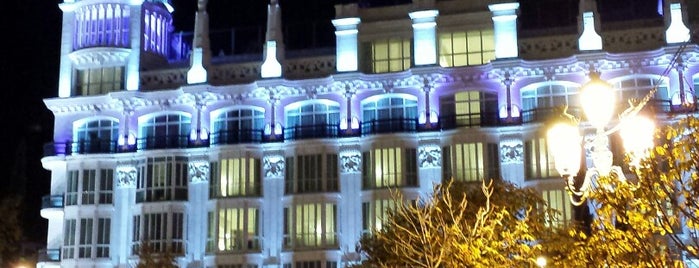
x=468, y=108
x=539, y=100
x=392, y=113
x=239, y=125
x=95, y=136
x=164, y=131
x=639, y=86
x=312, y=120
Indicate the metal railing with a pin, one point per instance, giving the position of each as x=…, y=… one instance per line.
x=393, y=125
x=237, y=136
x=300, y=132
x=52, y=201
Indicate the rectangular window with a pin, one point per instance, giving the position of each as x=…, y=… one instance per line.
x=236, y=177
x=389, y=167
x=88, y=187
x=106, y=186
x=100, y=81
x=310, y=226
x=492, y=163
x=103, y=232
x=539, y=164
x=69, y=238
x=72, y=188
x=558, y=200
x=162, y=179
x=238, y=229
x=210, y=232
x=311, y=173
x=85, y=243
x=164, y=232
x=465, y=162
x=374, y=214
x=473, y=47
x=389, y=55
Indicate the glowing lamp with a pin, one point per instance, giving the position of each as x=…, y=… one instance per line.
x=598, y=101
x=564, y=145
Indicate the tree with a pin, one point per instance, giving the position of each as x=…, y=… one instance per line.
x=650, y=220
x=463, y=225
x=149, y=257
x=10, y=228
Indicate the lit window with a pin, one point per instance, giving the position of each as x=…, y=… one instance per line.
x=92, y=240
x=389, y=113
x=389, y=55
x=236, y=177
x=102, y=25
x=389, y=167
x=467, y=108
x=559, y=201
x=310, y=225
x=238, y=229
x=94, y=185
x=239, y=125
x=463, y=162
x=311, y=173
x=99, y=81
x=539, y=101
x=95, y=136
x=538, y=162
x=164, y=131
x=162, y=179
x=466, y=48
x=156, y=31
x=374, y=214
x=164, y=232
x=312, y=120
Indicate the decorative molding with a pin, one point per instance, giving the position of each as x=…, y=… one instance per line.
x=99, y=57
x=350, y=161
x=429, y=156
x=273, y=166
x=126, y=176
x=511, y=152
x=199, y=171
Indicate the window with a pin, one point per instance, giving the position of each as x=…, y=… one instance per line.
x=95, y=136
x=310, y=225
x=92, y=240
x=374, y=213
x=474, y=47
x=94, y=185
x=162, y=179
x=102, y=25
x=638, y=87
x=99, y=81
x=388, y=55
x=463, y=162
x=165, y=131
x=389, y=113
x=538, y=101
x=210, y=232
x=312, y=120
x=236, y=177
x=157, y=26
x=239, y=125
x=389, y=167
x=164, y=232
x=538, y=162
x=311, y=173
x=238, y=229
x=467, y=108
x=311, y=264
x=558, y=200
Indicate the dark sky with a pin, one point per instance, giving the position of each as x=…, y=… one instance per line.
x=29, y=68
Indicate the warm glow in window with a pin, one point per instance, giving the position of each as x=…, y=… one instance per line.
x=100, y=81
x=463, y=162
x=310, y=225
x=466, y=48
x=558, y=200
x=390, y=55
x=539, y=164
x=238, y=229
x=374, y=214
x=236, y=177
x=389, y=167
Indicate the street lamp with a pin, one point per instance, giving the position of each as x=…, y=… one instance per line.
x=598, y=101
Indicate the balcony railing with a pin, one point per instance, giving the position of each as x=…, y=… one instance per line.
x=52, y=201
x=49, y=255
x=393, y=125
x=237, y=136
x=312, y=132
x=92, y=146
x=545, y=113
x=169, y=142
x=310, y=241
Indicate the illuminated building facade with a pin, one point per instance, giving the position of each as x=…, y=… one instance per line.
x=285, y=162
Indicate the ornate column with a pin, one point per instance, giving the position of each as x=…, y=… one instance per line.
x=425, y=36
x=197, y=212
x=505, y=22
x=275, y=129
x=124, y=200
x=273, y=169
x=201, y=51
x=349, y=122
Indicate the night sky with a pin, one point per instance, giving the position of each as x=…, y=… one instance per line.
x=29, y=67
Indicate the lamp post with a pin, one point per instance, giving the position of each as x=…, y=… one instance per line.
x=598, y=101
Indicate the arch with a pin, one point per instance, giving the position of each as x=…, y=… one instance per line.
x=95, y=135
x=389, y=113
x=164, y=130
x=639, y=85
x=235, y=124
x=549, y=94
x=468, y=108
x=312, y=118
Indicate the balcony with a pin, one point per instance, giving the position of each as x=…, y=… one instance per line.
x=538, y=115
x=83, y=147
x=236, y=136
x=470, y=120
x=393, y=125
x=300, y=132
x=51, y=206
x=49, y=255
x=169, y=142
